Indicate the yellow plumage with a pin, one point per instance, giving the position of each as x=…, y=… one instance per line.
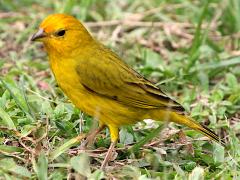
x=99, y=83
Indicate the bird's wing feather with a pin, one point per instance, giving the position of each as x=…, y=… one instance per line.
x=115, y=80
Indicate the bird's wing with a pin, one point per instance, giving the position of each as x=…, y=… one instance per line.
x=110, y=77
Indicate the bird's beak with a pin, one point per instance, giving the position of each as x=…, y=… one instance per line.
x=38, y=35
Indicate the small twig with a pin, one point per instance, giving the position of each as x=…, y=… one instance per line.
x=45, y=133
x=115, y=33
x=9, y=14
x=49, y=100
x=26, y=148
x=137, y=23
x=154, y=143
x=28, y=139
x=13, y=155
x=81, y=123
x=3, y=128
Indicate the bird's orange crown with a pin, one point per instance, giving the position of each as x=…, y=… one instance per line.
x=57, y=21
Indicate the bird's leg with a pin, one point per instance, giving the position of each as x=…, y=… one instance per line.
x=91, y=136
x=114, y=133
x=108, y=155
x=183, y=140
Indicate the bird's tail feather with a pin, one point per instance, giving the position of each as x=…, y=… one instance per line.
x=188, y=121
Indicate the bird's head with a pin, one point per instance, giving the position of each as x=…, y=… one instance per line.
x=62, y=34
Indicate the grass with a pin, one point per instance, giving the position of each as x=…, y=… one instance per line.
x=189, y=48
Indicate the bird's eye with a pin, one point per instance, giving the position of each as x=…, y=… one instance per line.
x=60, y=33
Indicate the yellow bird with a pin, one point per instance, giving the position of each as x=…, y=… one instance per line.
x=99, y=83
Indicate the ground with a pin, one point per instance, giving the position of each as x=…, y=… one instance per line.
x=188, y=48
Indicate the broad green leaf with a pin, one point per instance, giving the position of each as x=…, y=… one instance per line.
x=9, y=165
x=96, y=175
x=81, y=164
x=6, y=119
x=125, y=136
x=232, y=81
x=197, y=174
x=42, y=167
x=218, y=153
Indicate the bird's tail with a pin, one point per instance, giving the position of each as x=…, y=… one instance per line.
x=187, y=121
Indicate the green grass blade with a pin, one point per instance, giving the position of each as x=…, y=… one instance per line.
x=68, y=6
x=26, y=98
x=10, y=149
x=19, y=104
x=197, y=41
x=67, y=145
x=150, y=136
x=221, y=64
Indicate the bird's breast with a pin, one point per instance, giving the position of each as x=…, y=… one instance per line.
x=69, y=81
x=107, y=110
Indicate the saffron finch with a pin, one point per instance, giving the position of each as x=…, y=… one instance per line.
x=99, y=83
